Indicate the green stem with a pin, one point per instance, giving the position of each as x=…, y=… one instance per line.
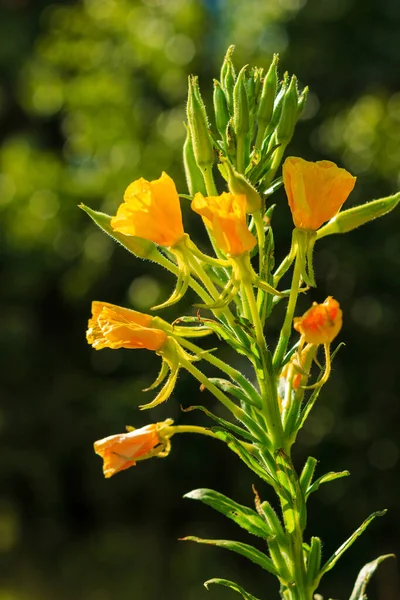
x=209, y=181
x=265, y=377
x=192, y=429
x=240, y=153
x=287, y=324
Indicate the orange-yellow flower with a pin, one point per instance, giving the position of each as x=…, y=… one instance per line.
x=151, y=210
x=316, y=190
x=321, y=323
x=116, y=327
x=225, y=216
x=121, y=451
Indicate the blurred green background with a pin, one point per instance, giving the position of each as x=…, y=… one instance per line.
x=92, y=96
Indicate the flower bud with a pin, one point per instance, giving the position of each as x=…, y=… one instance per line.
x=240, y=186
x=228, y=76
x=198, y=125
x=359, y=215
x=241, y=119
x=268, y=94
x=194, y=176
x=221, y=109
x=289, y=115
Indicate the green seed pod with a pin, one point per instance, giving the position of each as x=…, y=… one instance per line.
x=198, y=125
x=359, y=215
x=288, y=118
x=238, y=185
x=302, y=102
x=221, y=109
x=194, y=176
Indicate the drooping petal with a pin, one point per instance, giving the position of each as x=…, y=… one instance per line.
x=321, y=323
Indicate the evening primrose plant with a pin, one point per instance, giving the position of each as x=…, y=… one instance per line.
x=238, y=286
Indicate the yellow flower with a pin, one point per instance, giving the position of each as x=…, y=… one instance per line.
x=151, y=210
x=321, y=323
x=121, y=451
x=316, y=190
x=225, y=216
x=116, y=327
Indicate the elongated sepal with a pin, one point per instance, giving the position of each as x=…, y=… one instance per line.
x=257, y=557
x=160, y=378
x=359, y=590
x=194, y=176
x=340, y=551
x=325, y=479
x=350, y=219
x=243, y=516
x=166, y=390
x=226, y=296
x=182, y=283
x=233, y=586
x=136, y=245
x=314, y=561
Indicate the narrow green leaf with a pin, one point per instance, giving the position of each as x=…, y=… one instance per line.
x=307, y=473
x=314, y=560
x=226, y=424
x=365, y=575
x=257, y=557
x=324, y=479
x=233, y=586
x=340, y=551
x=273, y=521
x=242, y=515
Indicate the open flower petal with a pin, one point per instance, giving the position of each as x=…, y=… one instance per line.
x=316, y=190
x=151, y=210
x=225, y=216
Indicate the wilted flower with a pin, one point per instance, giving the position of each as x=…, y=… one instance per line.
x=316, y=190
x=121, y=451
x=117, y=327
x=321, y=323
x=225, y=216
x=151, y=210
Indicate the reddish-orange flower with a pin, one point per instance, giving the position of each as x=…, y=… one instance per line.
x=225, y=216
x=321, y=323
x=121, y=451
x=151, y=210
x=117, y=327
x=316, y=190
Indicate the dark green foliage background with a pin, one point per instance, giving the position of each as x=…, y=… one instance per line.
x=92, y=97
